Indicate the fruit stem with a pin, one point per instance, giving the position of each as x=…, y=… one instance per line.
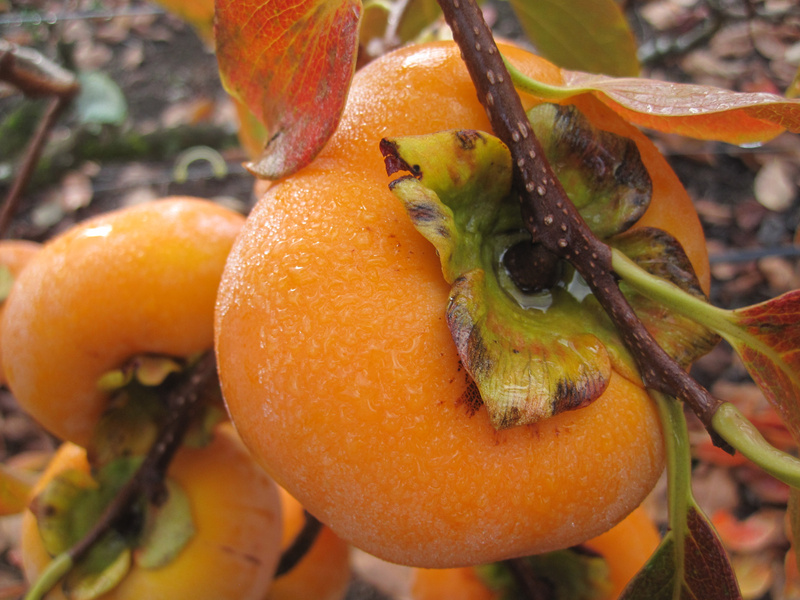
x=679, y=464
x=670, y=295
x=740, y=433
x=537, y=88
x=35, y=76
x=551, y=217
x=300, y=545
x=52, y=574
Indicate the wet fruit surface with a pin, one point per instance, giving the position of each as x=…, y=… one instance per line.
x=341, y=375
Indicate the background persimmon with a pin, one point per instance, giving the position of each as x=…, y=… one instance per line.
x=133, y=281
x=340, y=373
x=14, y=255
x=324, y=571
x=237, y=519
x=626, y=548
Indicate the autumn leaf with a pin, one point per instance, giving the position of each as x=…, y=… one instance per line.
x=767, y=338
x=15, y=489
x=690, y=563
x=698, y=111
x=291, y=64
x=606, y=42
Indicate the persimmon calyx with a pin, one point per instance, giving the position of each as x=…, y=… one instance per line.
x=6, y=281
x=74, y=500
x=525, y=324
x=576, y=573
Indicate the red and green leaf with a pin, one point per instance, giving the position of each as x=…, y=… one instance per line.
x=767, y=338
x=606, y=42
x=291, y=64
x=689, y=565
x=691, y=562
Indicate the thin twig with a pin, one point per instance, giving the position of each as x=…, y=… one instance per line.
x=28, y=165
x=148, y=480
x=34, y=76
x=300, y=545
x=552, y=219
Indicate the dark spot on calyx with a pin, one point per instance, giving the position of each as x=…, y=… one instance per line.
x=571, y=395
x=422, y=213
x=467, y=138
x=393, y=161
x=471, y=398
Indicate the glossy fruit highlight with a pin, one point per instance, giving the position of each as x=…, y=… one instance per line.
x=343, y=379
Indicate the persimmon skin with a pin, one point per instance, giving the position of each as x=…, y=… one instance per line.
x=14, y=255
x=323, y=573
x=133, y=281
x=237, y=517
x=626, y=547
x=341, y=375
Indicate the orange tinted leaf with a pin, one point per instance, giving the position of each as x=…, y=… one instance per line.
x=692, y=110
x=590, y=35
x=15, y=488
x=291, y=64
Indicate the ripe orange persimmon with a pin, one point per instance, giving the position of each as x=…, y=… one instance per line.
x=324, y=571
x=341, y=375
x=237, y=520
x=133, y=281
x=14, y=255
x=626, y=548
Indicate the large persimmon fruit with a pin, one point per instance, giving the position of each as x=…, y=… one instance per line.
x=342, y=377
x=138, y=280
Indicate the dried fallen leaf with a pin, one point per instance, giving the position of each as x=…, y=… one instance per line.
x=774, y=185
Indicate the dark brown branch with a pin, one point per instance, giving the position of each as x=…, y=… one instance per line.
x=148, y=481
x=300, y=545
x=550, y=216
x=34, y=76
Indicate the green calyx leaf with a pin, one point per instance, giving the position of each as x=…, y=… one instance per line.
x=526, y=326
x=571, y=574
x=168, y=528
x=602, y=172
x=150, y=538
x=6, y=282
x=148, y=370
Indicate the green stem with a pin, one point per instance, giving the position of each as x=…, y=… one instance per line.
x=52, y=574
x=727, y=421
x=673, y=297
x=740, y=433
x=679, y=461
x=537, y=88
